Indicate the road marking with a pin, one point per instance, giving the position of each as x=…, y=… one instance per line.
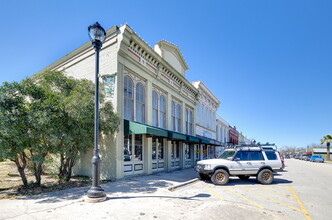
x=252, y=202
x=281, y=203
x=304, y=211
x=286, y=196
x=214, y=193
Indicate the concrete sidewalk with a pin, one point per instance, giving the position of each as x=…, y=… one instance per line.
x=144, y=197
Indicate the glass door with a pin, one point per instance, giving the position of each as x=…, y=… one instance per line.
x=133, y=156
x=158, y=162
x=187, y=155
x=175, y=157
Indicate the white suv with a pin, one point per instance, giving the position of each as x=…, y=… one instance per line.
x=242, y=161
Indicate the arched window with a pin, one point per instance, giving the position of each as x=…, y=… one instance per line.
x=128, y=98
x=140, y=104
x=178, y=118
x=198, y=113
x=162, y=112
x=154, y=108
x=189, y=121
x=173, y=116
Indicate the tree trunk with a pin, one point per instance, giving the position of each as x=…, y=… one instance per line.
x=66, y=167
x=328, y=151
x=21, y=168
x=23, y=176
x=38, y=172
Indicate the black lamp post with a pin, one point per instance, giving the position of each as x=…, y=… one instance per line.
x=97, y=35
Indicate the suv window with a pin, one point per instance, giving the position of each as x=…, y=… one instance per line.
x=242, y=155
x=256, y=155
x=271, y=155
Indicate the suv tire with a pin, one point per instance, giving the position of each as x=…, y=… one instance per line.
x=265, y=177
x=220, y=177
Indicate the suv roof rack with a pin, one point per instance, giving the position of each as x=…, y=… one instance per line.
x=266, y=146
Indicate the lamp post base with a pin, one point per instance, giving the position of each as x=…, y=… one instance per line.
x=96, y=194
x=94, y=200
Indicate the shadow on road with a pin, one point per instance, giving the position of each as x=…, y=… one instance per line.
x=251, y=181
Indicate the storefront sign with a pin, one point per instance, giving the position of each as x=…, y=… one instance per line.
x=109, y=85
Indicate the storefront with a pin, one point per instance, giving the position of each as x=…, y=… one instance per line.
x=148, y=149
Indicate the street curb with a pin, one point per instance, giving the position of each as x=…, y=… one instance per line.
x=183, y=184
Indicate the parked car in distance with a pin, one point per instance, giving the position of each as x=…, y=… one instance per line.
x=304, y=157
x=317, y=158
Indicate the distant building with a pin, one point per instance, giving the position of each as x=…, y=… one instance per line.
x=206, y=109
x=233, y=135
x=321, y=151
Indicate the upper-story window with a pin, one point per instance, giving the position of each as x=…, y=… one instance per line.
x=202, y=116
x=140, y=104
x=178, y=118
x=189, y=121
x=198, y=113
x=154, y=108
x=128, y=98
x=162, y=112
x=173, y=116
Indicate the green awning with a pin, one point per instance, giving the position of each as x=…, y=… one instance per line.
x=205, y=141
x=192, y=139
x=131, y=127
x=176, y=136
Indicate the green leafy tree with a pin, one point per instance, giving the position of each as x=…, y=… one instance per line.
x=50, y=114
x=15, y=135
x=72, y=129
x=327, y=139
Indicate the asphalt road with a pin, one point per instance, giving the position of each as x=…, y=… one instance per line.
x=303, y=191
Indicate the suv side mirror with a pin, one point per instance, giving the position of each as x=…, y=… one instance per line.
x=236, y=159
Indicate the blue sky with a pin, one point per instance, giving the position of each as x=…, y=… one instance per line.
x=268, y=62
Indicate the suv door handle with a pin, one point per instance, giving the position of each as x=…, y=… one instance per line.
x=263, y=163
x=248, y=163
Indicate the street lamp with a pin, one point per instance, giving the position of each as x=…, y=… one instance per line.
x=97, y=35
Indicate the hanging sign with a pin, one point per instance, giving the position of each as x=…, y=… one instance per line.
x=109, y=85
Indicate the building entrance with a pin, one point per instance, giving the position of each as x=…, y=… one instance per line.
x=158, y=161
x=175, y=157
x=187, y=155
x=133, y=156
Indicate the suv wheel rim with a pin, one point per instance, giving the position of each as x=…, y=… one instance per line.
x=220, y=177
x=266, y=176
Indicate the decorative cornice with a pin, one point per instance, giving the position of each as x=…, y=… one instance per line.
x=145, y=55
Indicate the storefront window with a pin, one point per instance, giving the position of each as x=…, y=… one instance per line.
x=175, y=150
x=160, y=149
x=205, y=152
x=138, y=147
x=127, y=147
x=154, y=148
x=211, y=152
x=187, y=151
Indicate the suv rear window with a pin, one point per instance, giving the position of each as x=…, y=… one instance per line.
x=256, y=155
x=271, y=155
